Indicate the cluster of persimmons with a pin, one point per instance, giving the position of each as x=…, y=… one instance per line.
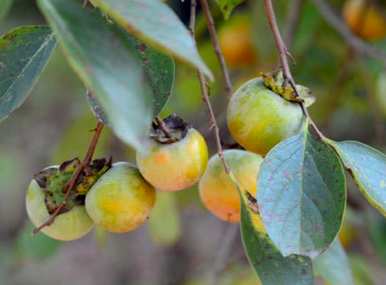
x=119, y=197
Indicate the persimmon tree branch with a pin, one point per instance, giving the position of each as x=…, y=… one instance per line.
x=216, y=45
x=75, y=176
x=205, y=93
x=360, y=46
x=283, y=54
x=231, y=232
x=213, y=122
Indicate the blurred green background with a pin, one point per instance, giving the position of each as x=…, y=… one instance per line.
x=183, y=243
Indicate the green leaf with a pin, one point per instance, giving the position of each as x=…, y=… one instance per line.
x=227, y=6
x=271, y=267
x=164, y=223
x=156, y=24
x=368, y=167
x=160, y=72
x=24, y=53
x=5, y=6
x=101, y=54
x=159, y=69
x=302, y=195
x=334, y=266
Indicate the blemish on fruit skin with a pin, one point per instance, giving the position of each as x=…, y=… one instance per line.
x=161, y=158
x=175, y=166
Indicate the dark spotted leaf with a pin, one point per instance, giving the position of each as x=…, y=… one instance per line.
x=269, y=264
x=24, y=52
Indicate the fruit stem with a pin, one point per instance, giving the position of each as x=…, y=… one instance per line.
x=72, y=182
x=216, y=45
x=161, y=124
x=283, y=54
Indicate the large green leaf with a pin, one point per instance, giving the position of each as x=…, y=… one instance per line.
x=302, y=195
x=368, y=167
x=24, y=52
x=227, y=6
x=5, y=6
x=271, y=267
x=101, y=54
x=155, y=23
x=160, y=71
x=334, y=266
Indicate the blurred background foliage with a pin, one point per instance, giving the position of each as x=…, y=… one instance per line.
x=183, y=243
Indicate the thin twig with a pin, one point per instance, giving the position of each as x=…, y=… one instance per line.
x=213, y=121
x=292, y=20
x=360, y=46
x=283, y=54
x=205, y=93
x=216, y=45
x=231, y=234
x=72, y=182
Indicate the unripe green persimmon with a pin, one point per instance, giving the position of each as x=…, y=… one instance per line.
x=258, y=118
x=70, y=225
x=175, y=166
x=121, y=200
x=219, y=193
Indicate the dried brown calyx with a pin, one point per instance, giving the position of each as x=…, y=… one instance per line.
x=276, y=82
x=53, y=181
x=169, y=130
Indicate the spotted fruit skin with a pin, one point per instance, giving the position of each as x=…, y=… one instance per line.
x=176, y=166
x=121, y=200
x=365, y=21
x=68, y=226
x=258, y=118
x=217, y=191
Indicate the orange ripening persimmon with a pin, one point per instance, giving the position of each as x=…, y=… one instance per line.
x=177, y=164
x=236, y=43
x=364, y=19
x=218, y=192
